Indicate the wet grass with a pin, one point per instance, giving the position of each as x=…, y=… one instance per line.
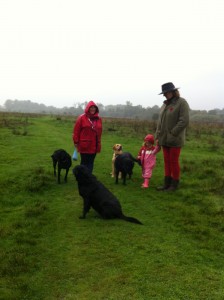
x=47, y=252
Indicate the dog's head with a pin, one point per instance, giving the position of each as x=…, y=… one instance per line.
x=82, y=174
x=117, y=149
x=62, y=157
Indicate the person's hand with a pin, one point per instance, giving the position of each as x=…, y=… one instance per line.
x=139, y=160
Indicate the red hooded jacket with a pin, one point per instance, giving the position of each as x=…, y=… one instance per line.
x=87, y=131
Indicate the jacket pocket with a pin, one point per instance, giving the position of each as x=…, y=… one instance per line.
x=85, y=146
x=173, y=140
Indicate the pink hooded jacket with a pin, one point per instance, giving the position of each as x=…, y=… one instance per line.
x=148, y=159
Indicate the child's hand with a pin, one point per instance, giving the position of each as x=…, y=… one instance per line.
x=139, y=160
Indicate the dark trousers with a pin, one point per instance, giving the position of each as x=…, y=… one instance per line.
x=88, y=160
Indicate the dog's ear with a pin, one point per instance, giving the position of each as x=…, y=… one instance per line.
x=82, y=173
x=77, y=172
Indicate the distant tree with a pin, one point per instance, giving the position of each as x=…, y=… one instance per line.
x=155, y=116
x=114, y=111
x=212, y=112
x=100, y=106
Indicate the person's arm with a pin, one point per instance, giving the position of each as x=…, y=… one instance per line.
x=183, y=120
x=76, y=132
x=157, y=149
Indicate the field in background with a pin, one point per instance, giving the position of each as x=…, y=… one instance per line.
x=47, y=252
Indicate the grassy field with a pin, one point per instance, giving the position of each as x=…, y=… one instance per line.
x=47, y=252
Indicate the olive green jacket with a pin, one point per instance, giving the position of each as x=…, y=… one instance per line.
x=172, y=123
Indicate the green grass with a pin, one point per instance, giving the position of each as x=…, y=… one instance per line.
x=47, y=252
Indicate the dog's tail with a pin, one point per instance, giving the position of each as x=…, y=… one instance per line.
x=130, y=219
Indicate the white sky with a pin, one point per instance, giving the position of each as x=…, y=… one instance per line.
x=60, y=52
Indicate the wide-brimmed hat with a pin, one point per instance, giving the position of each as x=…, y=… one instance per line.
x=168, y=87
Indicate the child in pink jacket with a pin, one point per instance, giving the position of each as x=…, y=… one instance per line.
x=147, y=157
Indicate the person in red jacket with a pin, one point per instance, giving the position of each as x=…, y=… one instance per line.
x=87, y=135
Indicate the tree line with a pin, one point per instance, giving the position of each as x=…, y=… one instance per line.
x=127, y=110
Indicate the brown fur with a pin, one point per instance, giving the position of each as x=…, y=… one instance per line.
x=117, y=151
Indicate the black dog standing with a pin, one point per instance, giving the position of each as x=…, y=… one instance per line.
x=97, y=196
x=63, y=160
x=124, y=163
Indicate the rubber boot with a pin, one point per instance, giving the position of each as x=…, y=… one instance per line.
x=146, y=183
x=173, y=186
x=166, y=185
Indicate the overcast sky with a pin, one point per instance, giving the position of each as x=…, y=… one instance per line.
x=60, y=52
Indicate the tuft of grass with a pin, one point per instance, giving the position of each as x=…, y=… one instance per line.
x=37, y=180
x=36, y=210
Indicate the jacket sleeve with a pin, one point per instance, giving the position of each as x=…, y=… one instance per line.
x=156, y=150
x=76, y=130
x=183, y=119
x=159, y=122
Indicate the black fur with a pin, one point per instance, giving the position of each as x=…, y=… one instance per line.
x=64, y=161
x=124, y=163
x=97, y=196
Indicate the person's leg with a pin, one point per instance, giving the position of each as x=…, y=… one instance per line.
x=88, y=160
x=166, y=158
x=174, y=162
x=175, y=168
x=167, y=170
x=91, y=161
x=145, y=183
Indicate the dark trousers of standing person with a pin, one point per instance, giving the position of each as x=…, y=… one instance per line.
x=88, y=160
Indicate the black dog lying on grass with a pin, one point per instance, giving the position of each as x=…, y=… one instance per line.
x=124, y=163
x=64, y=161
x=97, y=196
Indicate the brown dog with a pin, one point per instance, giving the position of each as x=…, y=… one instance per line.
x=117, y=151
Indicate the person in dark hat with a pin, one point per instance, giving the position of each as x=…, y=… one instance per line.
x=170, y=133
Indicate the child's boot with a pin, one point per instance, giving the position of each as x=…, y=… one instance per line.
x=146, y=183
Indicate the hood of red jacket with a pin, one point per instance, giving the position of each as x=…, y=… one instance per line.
x=89, y=104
